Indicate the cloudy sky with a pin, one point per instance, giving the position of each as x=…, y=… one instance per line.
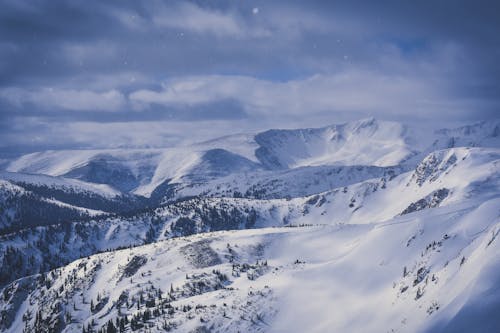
x=96, y=74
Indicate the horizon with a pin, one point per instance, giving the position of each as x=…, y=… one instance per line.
x=420, y=128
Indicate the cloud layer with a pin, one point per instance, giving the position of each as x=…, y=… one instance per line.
x=157, y=73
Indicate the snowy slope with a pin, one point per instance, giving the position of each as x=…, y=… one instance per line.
x=365, y=142
x=481, y=134
x=416, y=273
x=21, y=208
x=8, y=193
x=122, y=169
x=442, y=178
x=191, y=166
x=138, y=171
x=30, y=200
x=290, y=183
x=60, y=183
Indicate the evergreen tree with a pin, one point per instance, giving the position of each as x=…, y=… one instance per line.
x=111, y=328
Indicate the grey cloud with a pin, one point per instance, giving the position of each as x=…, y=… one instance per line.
x=350, y=91
x=72, y=100
x=116, y=62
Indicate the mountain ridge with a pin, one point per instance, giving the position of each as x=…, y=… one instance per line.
x=144, y=170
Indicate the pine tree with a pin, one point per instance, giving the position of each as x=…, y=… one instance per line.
x=111, y=328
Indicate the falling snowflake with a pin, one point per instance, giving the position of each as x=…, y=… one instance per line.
x=255, y=10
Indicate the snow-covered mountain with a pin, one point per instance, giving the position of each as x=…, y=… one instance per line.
x=360, y=220
x=29, y=200
x=482, y=134
x=21, y=208
x=367, y=142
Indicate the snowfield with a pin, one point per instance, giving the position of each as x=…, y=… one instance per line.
x=416, y=273
x=348, y=228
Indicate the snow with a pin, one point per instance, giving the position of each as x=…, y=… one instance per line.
x=60, y=182
x=358, y=227
x=8, y=187
x=179, y=165
x=367, y=142
x=345, y=274
x=90, y=212
x=241, y=144
x=482, y=134
x=354, y=278
x=54, y=163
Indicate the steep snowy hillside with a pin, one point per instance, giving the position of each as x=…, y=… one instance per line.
x=67, y=184
x=30, y=200
x=279, y=184
x=444, y=177
x=421, y=272
x=21, y=208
